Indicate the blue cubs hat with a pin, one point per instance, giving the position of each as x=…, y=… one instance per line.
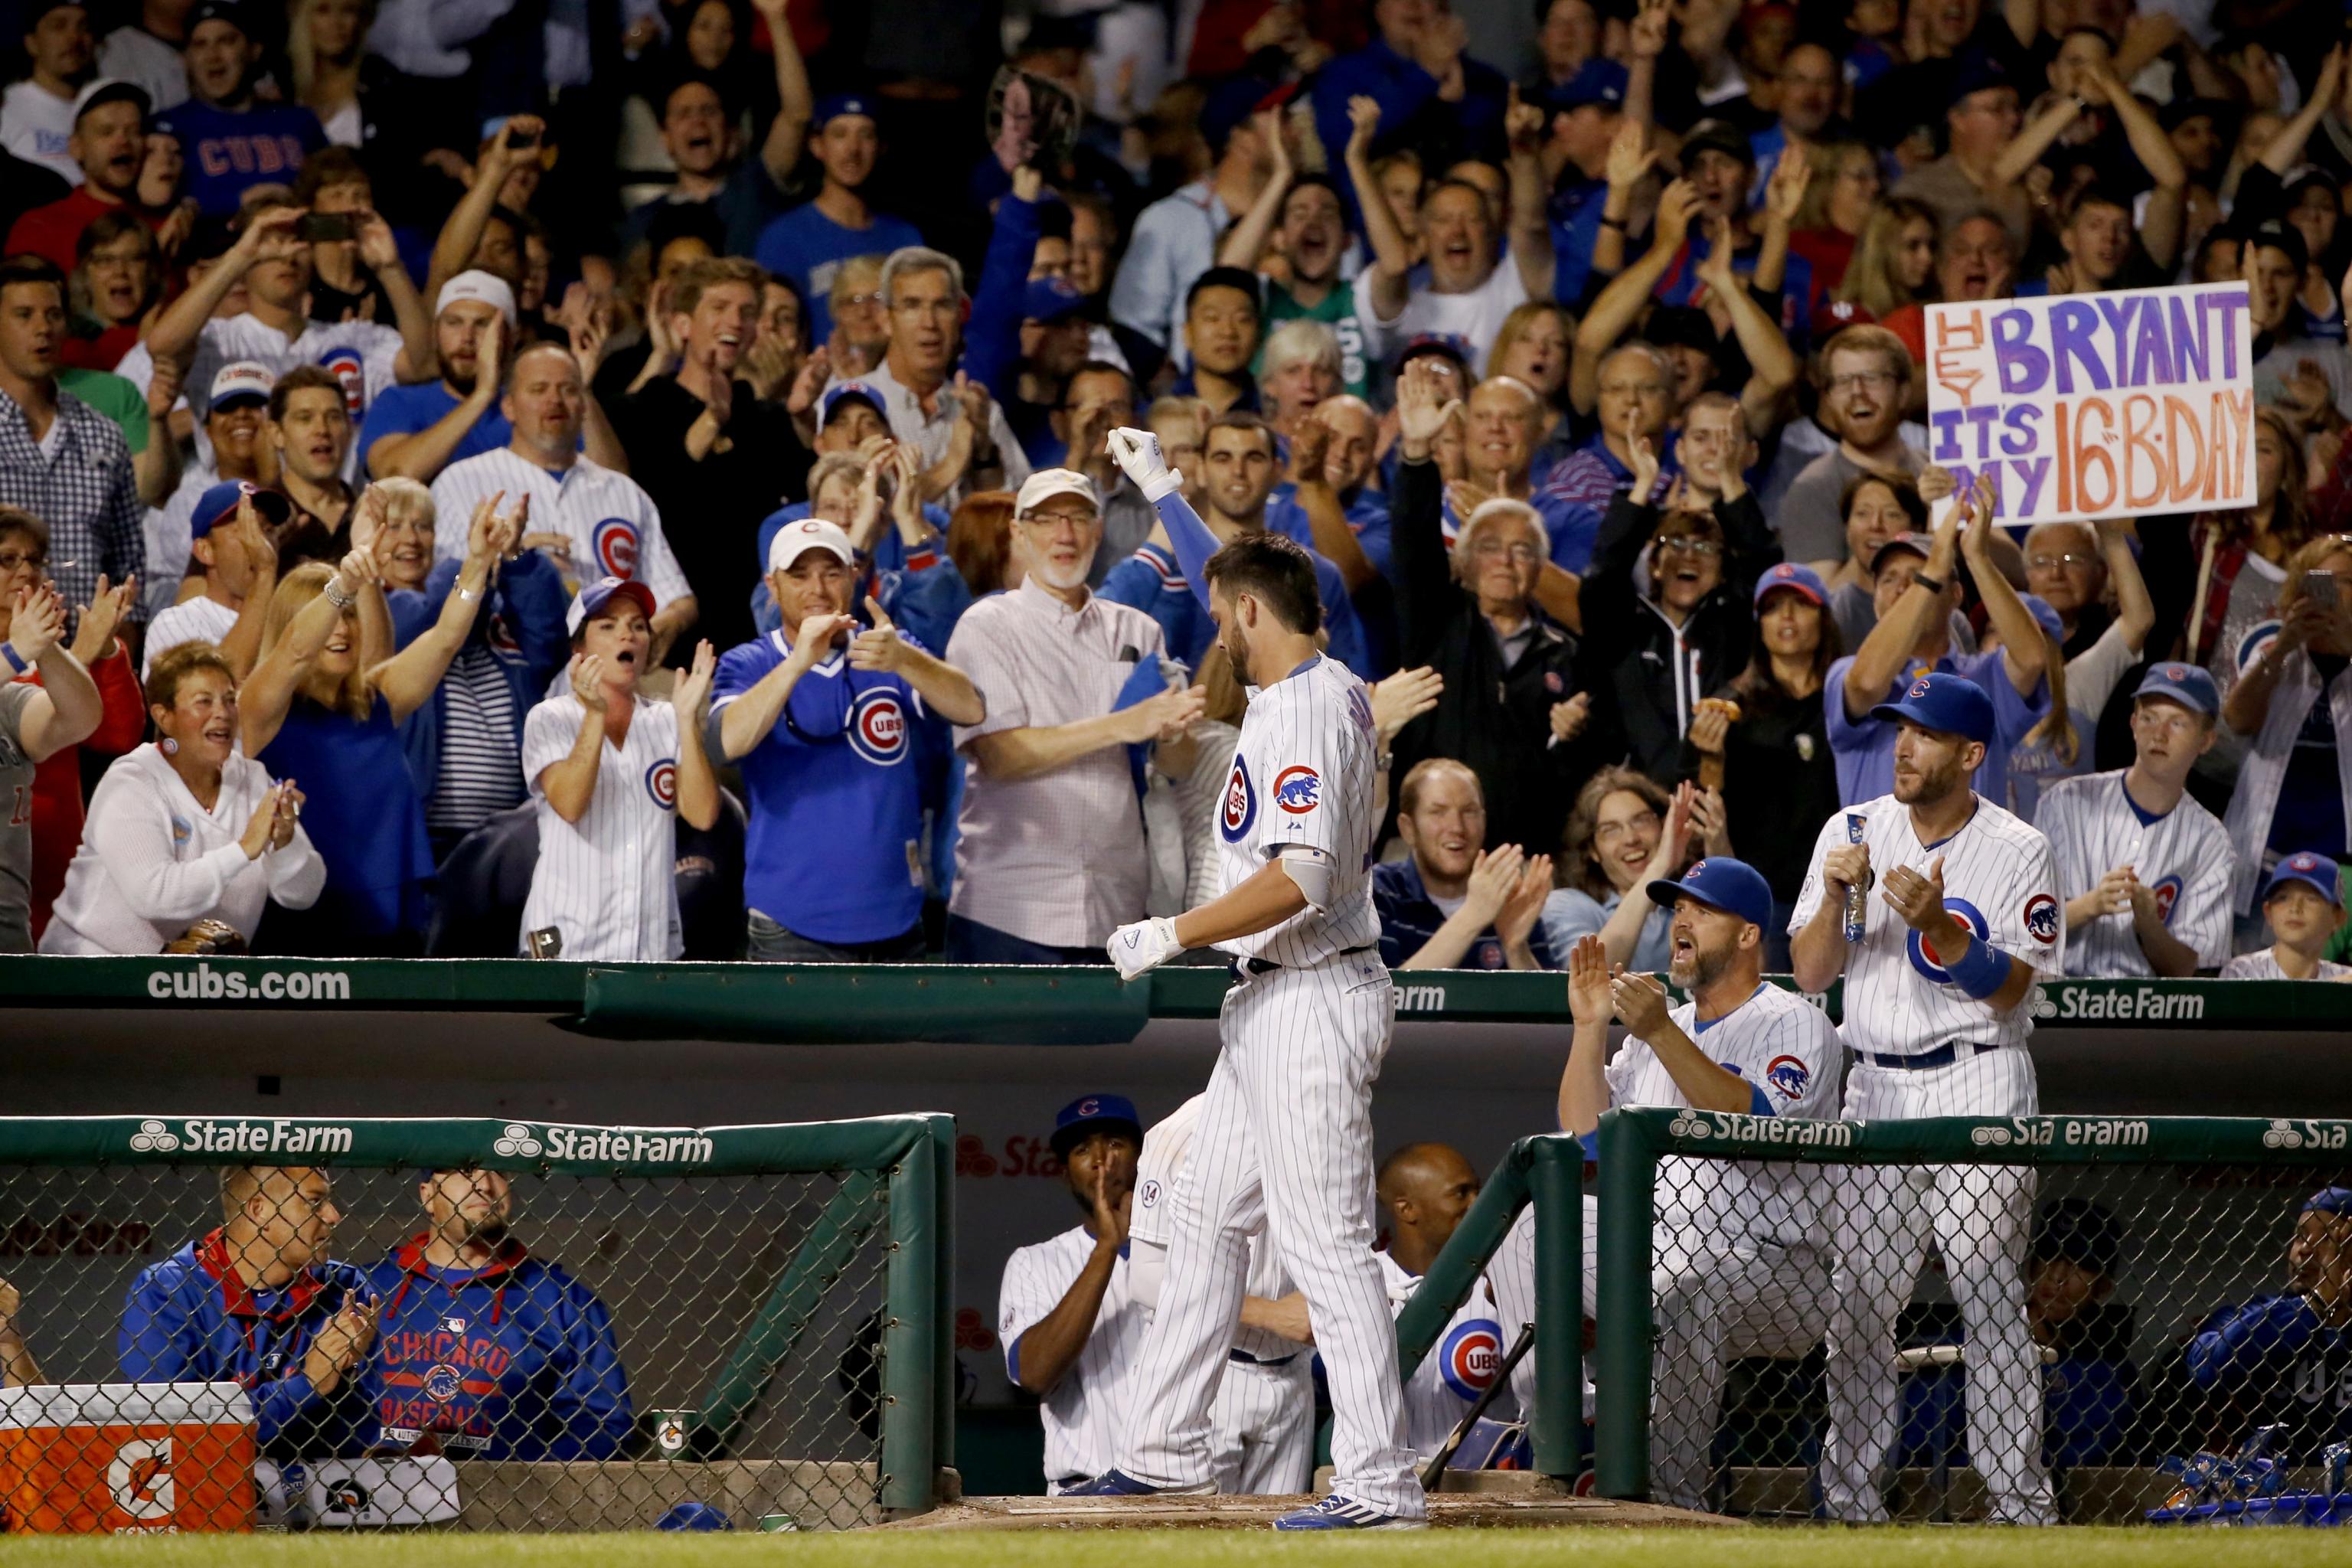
x=2330, y=1199
x=1601, y=81
x=218, y=505
x=841, y=392
x=1051, y=300
x=1948, y=704
x=1722, y=883
x=835, y=104
x=2316, y=872
x=1795, y=577
x=2046, y=616
x=1094, y=1114
x=2190, y=685
x=595, y=595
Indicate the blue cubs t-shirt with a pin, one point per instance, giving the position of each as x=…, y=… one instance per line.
x=228, y=151
x=809, y=247
x=406, y=410
x=834, y=849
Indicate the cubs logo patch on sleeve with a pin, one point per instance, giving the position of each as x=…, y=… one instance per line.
x=1298, y=790
x=2041, y=916
x=1787, y=1078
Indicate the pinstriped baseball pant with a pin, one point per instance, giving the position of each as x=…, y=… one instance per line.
x=1284, y=1140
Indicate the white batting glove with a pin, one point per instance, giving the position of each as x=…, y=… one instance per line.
x=1139, y=456
x=1145, y=945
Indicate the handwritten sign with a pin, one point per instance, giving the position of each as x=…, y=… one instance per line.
x=2091, y=406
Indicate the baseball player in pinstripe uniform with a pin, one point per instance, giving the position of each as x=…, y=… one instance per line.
x=2146, y=870
x=1067, y=1312
x=1423, y=1190
x=1262, y=1426
x=601, y=521
x=1742, y=1259
x=1937, y=1011
x=612, y=772
x=1285, y=1137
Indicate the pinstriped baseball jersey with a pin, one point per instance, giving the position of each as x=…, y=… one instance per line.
x=2183, y=857
x=1788, y=1051
x=1085, y=1415
x=609, y=881
x=2263, y=964
x=360, y=354
x=1999, y=881
x=1459, y=1367
x=615, y=527
x=1302, y=774
x=1167, y=1148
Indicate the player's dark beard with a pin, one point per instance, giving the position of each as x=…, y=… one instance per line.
x=1702, y=968
x=489, y=1233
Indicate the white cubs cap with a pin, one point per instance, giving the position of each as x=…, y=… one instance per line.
x=1046, y=483
x=477, y=284
x=241, y=381
x=808, y=533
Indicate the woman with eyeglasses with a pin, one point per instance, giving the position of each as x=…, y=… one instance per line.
x=116, y=281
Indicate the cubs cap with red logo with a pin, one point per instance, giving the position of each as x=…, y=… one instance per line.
x=2314, y=871
x=1948, y=704
x=834, y=397
x=1091, y=1113
x=2190, y=685
x=1796, y=579
x=796, y=539
x=240, y=382
x=603, y=591
x=218, y=505
x=1720, y=883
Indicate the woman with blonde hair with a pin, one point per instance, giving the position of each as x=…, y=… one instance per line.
x=323, y=705
x=1839, y=202
x=184, y=828
x=1533, y=347
x=1893, y=263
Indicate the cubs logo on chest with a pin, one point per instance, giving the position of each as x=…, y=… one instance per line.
x=1240, y=807
x=614, y=543
x=877, y=727
x=1471, y=1356
x=661, y=782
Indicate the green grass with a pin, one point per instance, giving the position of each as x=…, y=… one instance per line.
x=1585, y=1548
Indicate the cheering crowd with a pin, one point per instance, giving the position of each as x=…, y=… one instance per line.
x=618, y=483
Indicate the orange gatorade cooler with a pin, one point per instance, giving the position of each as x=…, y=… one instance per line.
x=126, y=1458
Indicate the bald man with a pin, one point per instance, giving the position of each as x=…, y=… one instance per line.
x=1422, y=1191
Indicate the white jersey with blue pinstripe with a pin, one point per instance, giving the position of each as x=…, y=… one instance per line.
x=1460, y=1366
x=615, y=527
x=2183, y=857
x=1303, y=775
x=1167, y=1150
x=1999, y=881
x=608, y=882
x=1085, y=1415
x=1788, y=1051
x=363, y=356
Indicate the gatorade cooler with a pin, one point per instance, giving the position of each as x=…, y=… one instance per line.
x=126, y=1458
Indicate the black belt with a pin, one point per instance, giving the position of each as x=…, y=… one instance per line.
x=1248, y=1360
x=1244, y=968
x=1941, y=1057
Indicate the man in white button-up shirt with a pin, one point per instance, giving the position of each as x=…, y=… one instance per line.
x=923, y=301
x=1051, y=858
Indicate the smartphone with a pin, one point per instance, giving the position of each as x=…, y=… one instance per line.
x=328, y=227
x=522, y=138
x=2321, y=587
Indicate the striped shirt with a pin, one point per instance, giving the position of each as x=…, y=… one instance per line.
x=1057, y=858
x=615, y=527
x=1303, y=775
x=481, y=771
x=194, y=620
x=2263, y=964
x=608, y=883
x=362, y=354
x=2182, y=857
x=1085, y=1415
x=2000, y=881
x=1159, y=1171
x=1458, y=1369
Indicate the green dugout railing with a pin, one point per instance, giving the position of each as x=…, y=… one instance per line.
x=896, y=1171
x=848, y=1003
x=1633, y=1141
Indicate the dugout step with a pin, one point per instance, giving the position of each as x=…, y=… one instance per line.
x=1475, y=1511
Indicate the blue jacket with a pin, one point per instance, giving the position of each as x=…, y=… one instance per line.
x=524, y=628
x=992, y=339
x=190, y=1319
x=511, y=1361
x=1408, y=917
x=2275, y=1362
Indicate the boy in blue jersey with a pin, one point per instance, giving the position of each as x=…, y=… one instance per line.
x=817, y=714
x=258, y=1301
x=486, y=1351
x=2288, y=1358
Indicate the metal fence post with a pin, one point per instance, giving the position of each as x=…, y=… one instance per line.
x=1556, y=1177
x=1621, y=1434
x=910, y=1333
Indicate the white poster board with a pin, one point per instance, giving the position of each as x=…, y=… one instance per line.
x=2088, y=405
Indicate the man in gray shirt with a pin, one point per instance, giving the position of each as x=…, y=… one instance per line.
x=1865, y=385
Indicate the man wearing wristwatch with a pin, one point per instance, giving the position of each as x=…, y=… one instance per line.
x=1915, y=599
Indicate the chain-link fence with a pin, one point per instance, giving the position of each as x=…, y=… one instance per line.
x=2033, y=1321
x=469, y=1325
